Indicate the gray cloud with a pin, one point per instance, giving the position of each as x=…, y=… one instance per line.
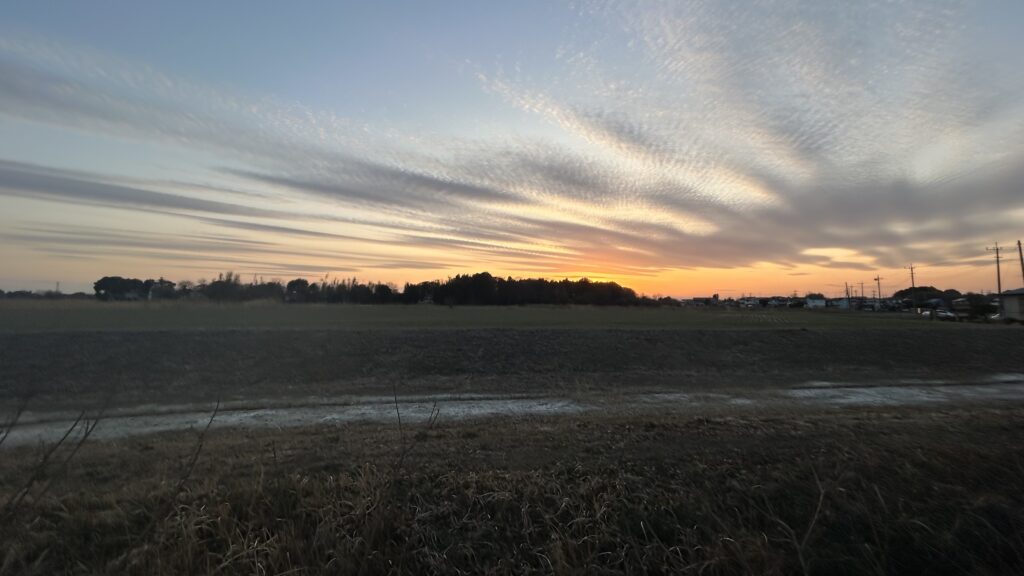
x=214, y=248
x=39, y=182
x=695, y=135
x=364, y=182
x=18, y=179
x=286, y=230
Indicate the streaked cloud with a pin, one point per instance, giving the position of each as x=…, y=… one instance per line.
x=660, y=136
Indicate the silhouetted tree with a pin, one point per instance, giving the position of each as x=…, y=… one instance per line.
x=118, y=288
x=297, y=290
x=161, y=289
x=225, y=287
x=382, y=294
x=482, y=289
x=922, y=295
x=476, y=289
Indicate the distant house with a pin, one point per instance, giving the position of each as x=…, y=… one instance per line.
x=815, y=301
x=841, y=303
x=1013, y=304
x=701, y=301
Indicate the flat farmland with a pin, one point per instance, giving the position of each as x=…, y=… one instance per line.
x=91, y=316
x=384, y=440
x=137, y=353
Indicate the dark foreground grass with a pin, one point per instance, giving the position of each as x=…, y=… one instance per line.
x=845, y=492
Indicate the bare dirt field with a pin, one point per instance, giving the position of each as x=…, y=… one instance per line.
x=89, y=316
x=551, y=351
x=507, y=440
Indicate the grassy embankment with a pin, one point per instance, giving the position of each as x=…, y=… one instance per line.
x=840, y=492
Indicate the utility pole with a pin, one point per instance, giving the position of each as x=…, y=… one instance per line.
x=878, y=281
x=999, y=274
x=1020, y=252
x=913, y=285
x=861, y=290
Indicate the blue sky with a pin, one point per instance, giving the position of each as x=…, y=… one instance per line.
x=758, y=146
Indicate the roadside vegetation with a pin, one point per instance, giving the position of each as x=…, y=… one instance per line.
x=843, y=492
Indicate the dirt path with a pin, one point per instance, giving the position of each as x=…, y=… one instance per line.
x=126, y=421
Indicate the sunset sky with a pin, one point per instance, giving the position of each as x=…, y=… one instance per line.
x=680, y=148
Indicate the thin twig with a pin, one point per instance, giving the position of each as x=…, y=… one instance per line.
x=435, y=413
x=199, y=448
x=817, y=512
x=186, y=473
x=801, y=545
x=16, y=499
x=14, y=419
x=406, y=449
x=88, y=430
x=401, y=435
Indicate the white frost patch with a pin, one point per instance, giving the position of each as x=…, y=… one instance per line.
x=664, y=398
x=876, y=396
x=112, y=427
x=1006, y=378
x=285, y=412
x=822, y=384
x=908, y=395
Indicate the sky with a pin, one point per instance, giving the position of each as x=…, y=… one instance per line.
x=679, y=148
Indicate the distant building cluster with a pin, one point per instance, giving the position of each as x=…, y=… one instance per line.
x=927, y=301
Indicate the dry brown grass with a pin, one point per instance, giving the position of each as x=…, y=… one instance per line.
x=843, y=492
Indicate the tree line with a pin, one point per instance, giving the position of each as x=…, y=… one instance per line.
x=481, y=289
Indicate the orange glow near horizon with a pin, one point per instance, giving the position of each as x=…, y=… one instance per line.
x=763, y=279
